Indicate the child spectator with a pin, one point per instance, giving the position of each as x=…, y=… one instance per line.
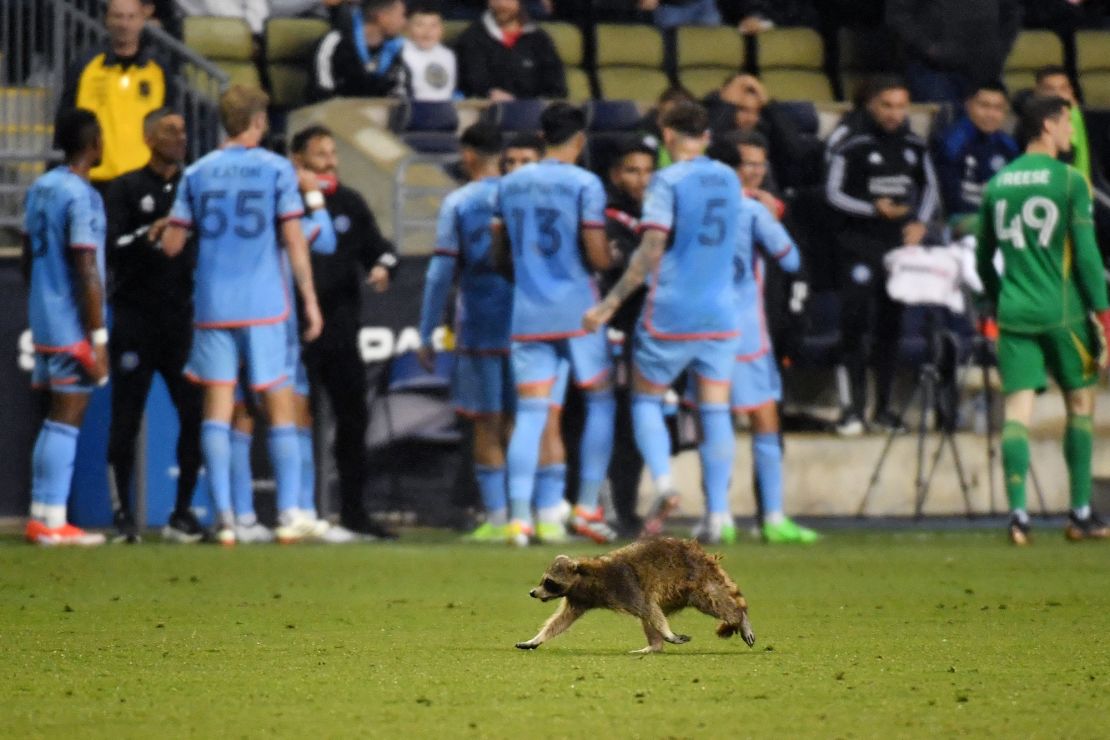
x=430, y=63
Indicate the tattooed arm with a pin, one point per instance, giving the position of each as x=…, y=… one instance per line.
x=642, y=262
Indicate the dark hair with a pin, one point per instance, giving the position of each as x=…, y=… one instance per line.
x=424, y=7
x=483, y=138
x=687, y=118
x=996, y=87
x=371, y=8
x=750, y=138
x=302, y=138
x=560, y=122
x=76, y=132
x=1035, y=112
x=1050, y=70
x=526, y=141
x=676, y=93
x=725, y=152
x=150, y=120
x=876, y=86
x=632, y=145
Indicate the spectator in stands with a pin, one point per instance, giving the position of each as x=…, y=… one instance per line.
x=254, y=12
x=522, y=149
x=743, y=104
x=121, y=84
x=754, y=16
x=1054, y=81
x=333, y=360
x=152, y=322
x=629, y=176
x=952, y=46
x=970, y=152
x=649, y=126
x=503, y=56
x=430, y=63
x=882, y=184
x=669, y=14
x=471, y=10
x=365, y=59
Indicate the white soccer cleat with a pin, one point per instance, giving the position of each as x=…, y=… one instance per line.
x=226, y=536
x=338, y=535
x=253, y=534
x=296, y=529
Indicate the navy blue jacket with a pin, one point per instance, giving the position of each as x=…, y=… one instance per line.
x=966, y=159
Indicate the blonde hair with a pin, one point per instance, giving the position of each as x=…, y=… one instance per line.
x=239, y=105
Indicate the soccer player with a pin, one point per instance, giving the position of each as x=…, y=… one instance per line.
x=64, y=242
x=550, y=214
x=320, y=232
x=233, y=198
x=756, y=384
x=690, y=224
x=483, y=386
x=520, y=150
x=1037, y=211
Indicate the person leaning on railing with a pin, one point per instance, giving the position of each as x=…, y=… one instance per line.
x=121, y=82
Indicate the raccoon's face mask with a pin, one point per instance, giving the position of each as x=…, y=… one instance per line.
x=557, y=580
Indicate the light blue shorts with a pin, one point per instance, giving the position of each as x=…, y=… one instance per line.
x=483, y=385
x=585, y=357
x=60, y=373
x=755, y=383
x=262, y=350
x=660, y=361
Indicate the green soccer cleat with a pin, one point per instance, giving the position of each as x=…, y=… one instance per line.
x=552, y=533
x=787, y=531
x=488, y=534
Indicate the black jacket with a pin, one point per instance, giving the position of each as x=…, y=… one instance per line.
x=622, y=225
x=338, y=70
x=971, y=37
x=529, y=69
x=338, y=277
x=140, y=275
x=872, y=164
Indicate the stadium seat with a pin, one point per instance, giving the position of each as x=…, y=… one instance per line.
x=863, y=53
x=289, y=44
x=791, y=64
x=630, y=62
x=568, y=44
x=1092, y=62
x=227, y=43
x=1032, y=50
x=803, y=114
x=612, y=115
x=428, y=127
x=516, y=115
x=707, y=56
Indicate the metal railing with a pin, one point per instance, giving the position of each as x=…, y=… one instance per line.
x=40, y=40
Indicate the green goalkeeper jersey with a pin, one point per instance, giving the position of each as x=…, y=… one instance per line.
x=1038, y=211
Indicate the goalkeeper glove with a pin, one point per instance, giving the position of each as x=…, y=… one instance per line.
x=1100, y=322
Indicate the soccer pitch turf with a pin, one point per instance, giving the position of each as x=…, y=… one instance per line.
x=865, y=634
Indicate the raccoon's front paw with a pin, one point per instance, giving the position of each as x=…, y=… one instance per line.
x=678, y=639
x=746, y=631
x=528, y=645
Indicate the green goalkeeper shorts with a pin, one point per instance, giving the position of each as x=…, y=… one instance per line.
x=1068, y=353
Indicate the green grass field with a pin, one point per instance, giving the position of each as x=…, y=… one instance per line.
x=875, y=634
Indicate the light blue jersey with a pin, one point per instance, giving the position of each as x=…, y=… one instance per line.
x=463, y=247
x=757, y=228
x=63, y=212
x=544, y=206
x=234, y=199
x=690, y=296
